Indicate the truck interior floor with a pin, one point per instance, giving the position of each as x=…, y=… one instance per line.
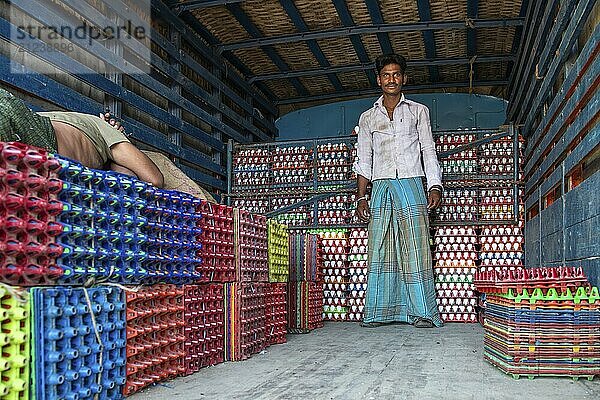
x=344, y=361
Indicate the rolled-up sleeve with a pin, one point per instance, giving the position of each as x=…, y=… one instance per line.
x=363, y=165
x=433, y=172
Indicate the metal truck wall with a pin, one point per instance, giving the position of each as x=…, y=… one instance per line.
x=172, y=92
x=555, y=97
x=448, y=111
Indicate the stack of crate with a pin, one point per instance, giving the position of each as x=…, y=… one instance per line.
x=541, y=322
x=305, y=289
x=336, y=273
x=155, y=335
x=357, y=272
x=204, y=325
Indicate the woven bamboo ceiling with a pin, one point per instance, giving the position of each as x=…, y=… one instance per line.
x=306, y=52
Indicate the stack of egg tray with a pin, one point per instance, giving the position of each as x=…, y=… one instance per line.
x=454, y=269
x=501, y=245
x=305, y=306
x=335, y=270
x=244, y=320
x=155, y=335
x=275, y=313
x=217, y=238
x=358, y=272
x=501, y=279
x=79, y=346
x=250, y=246
x=279, y=253
x=298, y=216
x=334, y=162
x=29, y=188
x=306, y=257
x=544, y=332
x=173, y=229
x=336, y=210
x=251, y=169
x=204, y=327
x=103, y=226
x=14, y=344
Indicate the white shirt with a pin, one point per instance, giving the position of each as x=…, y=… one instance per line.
x=398, y=148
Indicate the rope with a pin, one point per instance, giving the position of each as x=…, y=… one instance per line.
x=89, y=304
x=19, y=294
x=471, y=62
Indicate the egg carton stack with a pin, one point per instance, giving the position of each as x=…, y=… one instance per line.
x=501, y=245
x=336, y=276
x=358, y=273
x=459, y=204
x=275, y=313
x=334, y=162
x=245, y=323
x=29, y=206
x=173, y=228
x=279, y=253
x=497, y=157
x=336, y=210
x=217, y=239
x=79, y=340
x=105, y=231
x=498, y=204
x=250, y=246
x=541, y=322
x=300, y=216
x=251, y=170
x=455, y=259
x=254, y=205
x=462, y=163
x=155, y=335
x=204, y=326
x=292, y=167
x=15, y=342
x=305, y=289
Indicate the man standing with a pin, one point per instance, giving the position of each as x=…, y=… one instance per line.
x=395, y=149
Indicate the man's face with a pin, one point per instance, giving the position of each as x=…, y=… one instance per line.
x=390, y=79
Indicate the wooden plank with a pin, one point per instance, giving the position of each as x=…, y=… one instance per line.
x=532, y=199
x=566, y=91
x=48, y=17
x=569, y=38
x=582, y=120
x=554, y=179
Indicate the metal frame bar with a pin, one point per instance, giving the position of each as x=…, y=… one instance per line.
x=472, y=11
x=369, y=29
x=188, y=5
x=359, y=48
x=291, y=10
x=377, y=18
x=428, y=39
x=358, y=67
x=373, y=92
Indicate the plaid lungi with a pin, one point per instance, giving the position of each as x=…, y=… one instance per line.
x=19, y=124
x=400, y=285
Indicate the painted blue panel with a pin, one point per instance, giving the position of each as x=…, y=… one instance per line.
x=552, y=218
x=581, y=240
x=552, y=248
x=532, y=254
x=447, y=111
x=582, y=202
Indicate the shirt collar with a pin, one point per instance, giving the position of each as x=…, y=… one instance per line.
x=379, y=102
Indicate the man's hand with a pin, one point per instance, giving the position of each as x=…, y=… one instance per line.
x=362, y=210
x=112, y=122
x=434, y=200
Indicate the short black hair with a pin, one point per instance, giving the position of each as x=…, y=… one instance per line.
x=387, y=59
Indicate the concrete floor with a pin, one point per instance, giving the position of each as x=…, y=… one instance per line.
x=345, y=361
